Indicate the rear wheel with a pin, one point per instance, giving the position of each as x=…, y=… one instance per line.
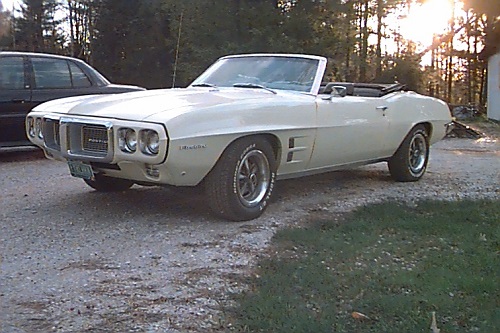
x=240, y=185
x=108, y=184
x=410, y=160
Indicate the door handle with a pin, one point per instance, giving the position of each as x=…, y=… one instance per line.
x=18, y=100
x=383, y=108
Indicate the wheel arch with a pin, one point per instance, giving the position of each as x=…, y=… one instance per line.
x=240, y=184
x=272, y=139
x=276, y=145
x=401, y=163
x=428, y=128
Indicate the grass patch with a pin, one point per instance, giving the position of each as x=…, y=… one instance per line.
x=393, y=263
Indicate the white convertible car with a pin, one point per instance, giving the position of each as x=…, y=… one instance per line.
x=245, y=122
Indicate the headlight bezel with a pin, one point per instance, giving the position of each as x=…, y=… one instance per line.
x=39, y=128
x=149, y=141
x=127, y=140
x=145, y=140
x=31, y=127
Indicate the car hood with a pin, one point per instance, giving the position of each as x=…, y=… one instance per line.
x=140, y=106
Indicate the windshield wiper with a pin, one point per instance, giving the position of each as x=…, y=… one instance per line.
x=253, y=85
x=204, y=84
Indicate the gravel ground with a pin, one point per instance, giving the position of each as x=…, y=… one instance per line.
x=151, y=260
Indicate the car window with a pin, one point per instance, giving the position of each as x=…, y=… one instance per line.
x=275, y=72
x=51, y=73
x=11, y=73
x=80, y=79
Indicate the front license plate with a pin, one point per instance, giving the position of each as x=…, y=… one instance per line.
x=80, y=170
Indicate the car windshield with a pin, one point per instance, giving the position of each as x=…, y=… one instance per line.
x=271, y=72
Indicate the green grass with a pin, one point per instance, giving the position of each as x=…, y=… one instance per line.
x=393, y=263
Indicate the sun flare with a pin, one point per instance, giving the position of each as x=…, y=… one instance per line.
x=426, y=20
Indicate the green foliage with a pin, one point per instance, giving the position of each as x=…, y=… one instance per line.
x=36, y=28
x=5, y=28
x=211, y=29
x=145, y=42
x=393, y=263
x=488, y=7
x=131, y=43
x=405, y=70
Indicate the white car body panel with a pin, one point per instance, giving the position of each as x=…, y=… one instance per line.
x=196, y=124
x=359, y=129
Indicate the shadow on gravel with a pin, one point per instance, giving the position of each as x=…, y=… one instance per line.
x=330, y=182
x=137, y=204
x=180, y=205
x=20, y=155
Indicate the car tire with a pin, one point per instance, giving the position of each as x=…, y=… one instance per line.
x=410, y=160
x=241, y=183
x=108, y=184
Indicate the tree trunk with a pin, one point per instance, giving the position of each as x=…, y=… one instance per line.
x=449, y=70
x=380, y=16
x=469, y=58
x=364, y=42
x=71, y=14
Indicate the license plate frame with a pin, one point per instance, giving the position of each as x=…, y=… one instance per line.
x=81, y=169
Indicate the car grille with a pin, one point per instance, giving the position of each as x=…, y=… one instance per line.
x=95, y=139
x=79, y=139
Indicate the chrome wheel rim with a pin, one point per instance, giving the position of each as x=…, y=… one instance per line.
x=253, y=178
x=418, y=153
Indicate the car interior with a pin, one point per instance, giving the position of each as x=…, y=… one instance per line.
x=362, y=89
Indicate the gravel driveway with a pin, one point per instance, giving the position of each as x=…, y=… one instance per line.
x=148, y=259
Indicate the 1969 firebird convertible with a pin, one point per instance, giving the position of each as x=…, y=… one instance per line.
x=245, y=122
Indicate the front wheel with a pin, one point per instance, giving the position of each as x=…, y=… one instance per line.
x=410, y=160
x=108, y=184
x=240, y=185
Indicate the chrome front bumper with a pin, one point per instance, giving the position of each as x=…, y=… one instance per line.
x=449, y=127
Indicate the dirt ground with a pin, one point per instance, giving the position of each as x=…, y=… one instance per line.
x=153, y=260
x=489, y=128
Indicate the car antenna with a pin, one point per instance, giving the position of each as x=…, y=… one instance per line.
x=177, y=49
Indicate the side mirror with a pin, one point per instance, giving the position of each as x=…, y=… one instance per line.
x=340, y=91
x=333, y=90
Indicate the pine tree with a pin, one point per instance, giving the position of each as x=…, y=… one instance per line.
x=37, y=29
x=5, y=28
x=130, y=44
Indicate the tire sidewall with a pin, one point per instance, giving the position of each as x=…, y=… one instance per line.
x=399, y=163
x=419, y=130
x=258, y=208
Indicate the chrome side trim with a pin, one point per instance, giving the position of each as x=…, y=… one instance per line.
x=311, y=172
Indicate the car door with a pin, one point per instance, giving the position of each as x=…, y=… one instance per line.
x=55, y=78
x=15, y=99
x=351, y=129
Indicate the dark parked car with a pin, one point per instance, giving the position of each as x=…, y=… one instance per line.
x=28, y=79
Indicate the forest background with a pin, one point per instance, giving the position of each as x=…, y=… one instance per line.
x=166, y=43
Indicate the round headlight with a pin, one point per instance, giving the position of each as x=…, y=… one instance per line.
x=131, y=139
x=150, y=144
x=127, y=140
x=38, y=128
x=31, y=127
